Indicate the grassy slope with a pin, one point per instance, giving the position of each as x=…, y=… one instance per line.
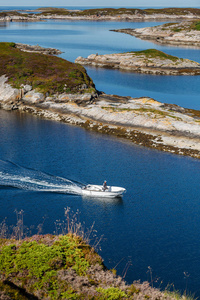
x=153, y=53
x=46, y=73
x=176, y=27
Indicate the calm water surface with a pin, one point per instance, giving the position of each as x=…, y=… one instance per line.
x=157, y=222
x=84, y=38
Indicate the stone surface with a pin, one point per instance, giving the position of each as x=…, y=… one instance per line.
x=164, y=34
x=37, y=49
x=144, y=121
x=142, y=63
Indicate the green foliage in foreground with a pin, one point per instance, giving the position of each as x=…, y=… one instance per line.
x=39, y=264
x=48, y=74
x=111, y=293
x=45, y=267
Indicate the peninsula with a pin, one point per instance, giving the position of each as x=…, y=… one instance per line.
x=53, y=88
x=102, y=14
x=150, y=61
x=184, y=34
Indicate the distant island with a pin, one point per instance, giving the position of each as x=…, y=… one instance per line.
x=102, y=14
x=184, y=34
x=53, y=88
x=150, y=61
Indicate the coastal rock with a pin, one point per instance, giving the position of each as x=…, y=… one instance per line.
x=182, y=34
x=27, y=88
x=8, y=93
x=37, y=49
x=33, y=97
x=143, y=121
x=149, y=61
x=102, y=14
x=74, y=97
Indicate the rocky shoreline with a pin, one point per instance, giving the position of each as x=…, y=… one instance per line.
x=104, y=14
x=149, y=61
x=179, y=34
x=37, y=49
x=143, y=121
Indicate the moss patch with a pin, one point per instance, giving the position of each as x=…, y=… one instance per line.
x=44, y=72
x=153, y=53
x=35, y=265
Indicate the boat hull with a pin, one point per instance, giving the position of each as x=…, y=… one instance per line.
x=98, y=191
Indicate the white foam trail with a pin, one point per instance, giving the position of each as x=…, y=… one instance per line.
x=12, y=175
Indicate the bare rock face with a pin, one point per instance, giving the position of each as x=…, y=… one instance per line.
x=11, y=98
x=33, y=97
x=7, y=93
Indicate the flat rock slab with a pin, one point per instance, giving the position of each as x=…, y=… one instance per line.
x=149, y=61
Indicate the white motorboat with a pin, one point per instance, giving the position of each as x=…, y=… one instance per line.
x=99, y=191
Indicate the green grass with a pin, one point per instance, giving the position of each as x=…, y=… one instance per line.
x=39, y=263
x=196, y=25
x=111, y=293
x=44, y=72
x=153, y=53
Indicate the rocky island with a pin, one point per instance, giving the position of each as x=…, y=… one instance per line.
x=102, y=14
x=53, y=88
x=150, y=61
x=184, y=34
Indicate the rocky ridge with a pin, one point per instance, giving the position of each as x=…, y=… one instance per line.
x=144, y=121
x=180, y=34
x=150, y=61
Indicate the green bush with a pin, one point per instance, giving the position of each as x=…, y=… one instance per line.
x=111, y=293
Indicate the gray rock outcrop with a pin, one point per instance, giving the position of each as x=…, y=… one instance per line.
x=141, y=63
x=179, y=34
x=144, y=121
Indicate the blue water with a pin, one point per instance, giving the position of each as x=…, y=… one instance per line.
x=157, y=222
x=84, y=38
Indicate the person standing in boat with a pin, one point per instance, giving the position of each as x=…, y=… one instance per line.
x=105, y=187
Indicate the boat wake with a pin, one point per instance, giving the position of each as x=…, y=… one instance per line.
x=16, y=176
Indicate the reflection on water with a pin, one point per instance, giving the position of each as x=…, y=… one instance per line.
x=104, y=200
x=4, y=24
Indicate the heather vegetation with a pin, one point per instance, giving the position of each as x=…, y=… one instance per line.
x=47, y=74
x=63, y=266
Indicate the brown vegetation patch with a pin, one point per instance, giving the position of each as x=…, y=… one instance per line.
x=45, y=73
